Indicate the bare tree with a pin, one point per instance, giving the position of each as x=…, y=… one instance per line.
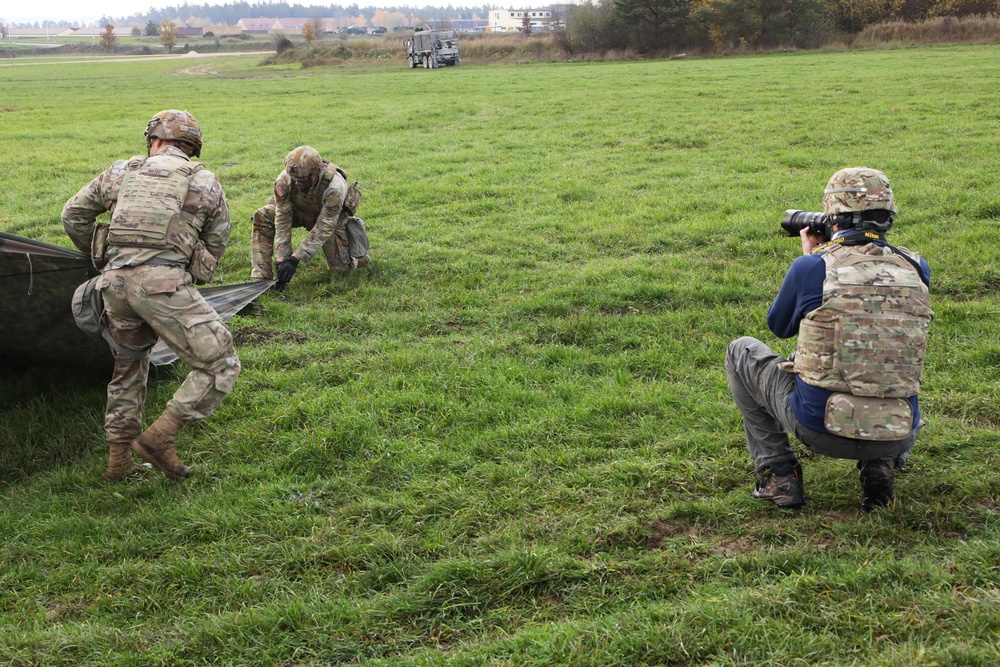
x=525, y=23
x=108, y=37
x=168, y=35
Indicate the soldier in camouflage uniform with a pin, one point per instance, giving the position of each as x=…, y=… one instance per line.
x=861, y=311
x=169, y=225
x=312, y=193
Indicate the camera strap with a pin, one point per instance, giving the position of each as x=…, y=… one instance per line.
x=913, y=262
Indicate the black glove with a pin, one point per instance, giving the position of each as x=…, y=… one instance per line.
x=285, y=271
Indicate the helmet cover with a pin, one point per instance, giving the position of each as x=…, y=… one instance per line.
x=178, y=126
x=303, y=162
x=858, y=189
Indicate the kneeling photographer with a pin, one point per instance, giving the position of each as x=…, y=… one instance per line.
x=860, y=309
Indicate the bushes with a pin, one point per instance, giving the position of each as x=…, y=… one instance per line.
x=940, y=30
x=765, y=24
x=670, y=26
x=593, y=28
x=599, y=31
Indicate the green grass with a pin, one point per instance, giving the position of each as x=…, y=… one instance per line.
x=510, y=442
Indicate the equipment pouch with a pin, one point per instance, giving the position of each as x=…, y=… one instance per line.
x=868, y=417
x=88, y=312
x=202, y=264
x=352, y=199
x=88, y=307
x=357, y=237
x=99, y=245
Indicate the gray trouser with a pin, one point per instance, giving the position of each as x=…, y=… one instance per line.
x=763, y=393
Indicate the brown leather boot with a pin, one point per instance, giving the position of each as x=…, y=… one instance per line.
x=120, y=462
x=156, y=445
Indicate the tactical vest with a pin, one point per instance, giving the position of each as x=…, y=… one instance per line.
x=149, y=212
x=867, y=341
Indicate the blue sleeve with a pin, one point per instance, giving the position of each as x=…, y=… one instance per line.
x=801, y=292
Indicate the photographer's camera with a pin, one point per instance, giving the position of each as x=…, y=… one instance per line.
x=795, y=221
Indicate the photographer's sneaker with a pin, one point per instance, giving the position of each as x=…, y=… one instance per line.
x=783, y=491
x=877, y=484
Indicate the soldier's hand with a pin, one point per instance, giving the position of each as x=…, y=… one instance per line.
x=285, y=272
x=810, y=240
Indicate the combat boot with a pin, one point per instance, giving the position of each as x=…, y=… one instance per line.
x=156, y=445
x=782, y=490
x=120, y=462
x=877, y=484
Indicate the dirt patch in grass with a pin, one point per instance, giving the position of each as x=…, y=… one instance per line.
x=198, y=70
x=624, y=310
x=716, y=544
x=58, y=613
x=840, y=516
x=750, y=539
x=985, y=503
x=258, y=336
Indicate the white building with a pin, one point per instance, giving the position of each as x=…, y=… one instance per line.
x=512, y=20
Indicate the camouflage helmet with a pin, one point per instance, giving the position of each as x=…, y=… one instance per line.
x=303, y=162
x=856, y=190
x=178, y=126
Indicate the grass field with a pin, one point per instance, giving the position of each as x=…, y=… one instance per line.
x=510, y=442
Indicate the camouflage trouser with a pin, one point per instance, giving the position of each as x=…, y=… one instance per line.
x=146, y=302
x=335, y=249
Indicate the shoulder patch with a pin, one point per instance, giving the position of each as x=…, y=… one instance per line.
x=279, y=190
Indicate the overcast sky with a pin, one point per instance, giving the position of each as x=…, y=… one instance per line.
x=91, y=10
x=74, y=10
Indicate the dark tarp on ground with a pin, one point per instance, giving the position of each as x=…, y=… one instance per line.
x=37, y=281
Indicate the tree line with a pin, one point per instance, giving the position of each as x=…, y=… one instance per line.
x=651, y=26
x=644, y=26
x=230, y=13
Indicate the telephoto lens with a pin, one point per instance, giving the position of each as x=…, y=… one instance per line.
x=798, y=220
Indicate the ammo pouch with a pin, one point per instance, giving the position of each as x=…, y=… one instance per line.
x=99, y=245
x=357, y=237
x=352, y=199
x=868, y=417
x=202, y=264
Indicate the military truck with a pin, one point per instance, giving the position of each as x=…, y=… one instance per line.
x=432, y=48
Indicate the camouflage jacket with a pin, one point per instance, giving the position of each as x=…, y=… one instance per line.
x=205, y=206
x=318, y=210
